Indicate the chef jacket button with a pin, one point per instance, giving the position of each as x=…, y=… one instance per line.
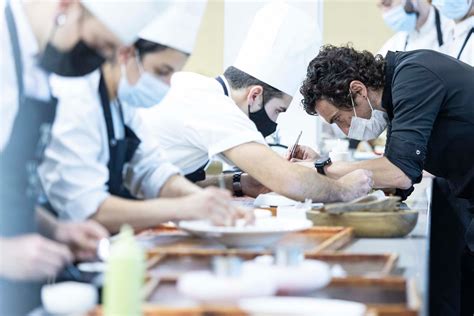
x=417, y=152
x=113, y=142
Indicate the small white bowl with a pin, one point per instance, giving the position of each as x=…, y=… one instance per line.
x=68, y=298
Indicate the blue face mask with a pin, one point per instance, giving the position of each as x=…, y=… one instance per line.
x=146, y=92
x=399, y=20
x=453, y=9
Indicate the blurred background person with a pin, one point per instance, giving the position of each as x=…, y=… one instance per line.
x=39, y=37
x=418, y=25
x=462, y=12
x=99, y=112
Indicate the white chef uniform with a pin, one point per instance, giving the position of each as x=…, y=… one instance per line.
x=461, y=32
x=75, y=170
x=428, y=37
x=197, y=122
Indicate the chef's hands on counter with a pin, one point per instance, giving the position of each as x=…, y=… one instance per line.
x=214, y=204
x=82, y=238
x=385, y=173
x=32, y=257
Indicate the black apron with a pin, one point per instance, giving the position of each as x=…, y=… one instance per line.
x=20, y=184
x=200, y=173
x=121, y=151
x=439, y=32
x=465, y=42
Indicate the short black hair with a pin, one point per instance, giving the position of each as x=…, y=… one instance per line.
x=239, y=79
x=330, y=73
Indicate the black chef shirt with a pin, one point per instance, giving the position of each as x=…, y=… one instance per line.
x=429, y=98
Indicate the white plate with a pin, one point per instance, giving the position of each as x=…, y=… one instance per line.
x=264, y=232
x=300, y=306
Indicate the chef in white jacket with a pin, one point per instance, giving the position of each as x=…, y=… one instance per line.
x=462, y=12
x=418, y=25
x=101, y=162
x=202, y=118
x=39, y=37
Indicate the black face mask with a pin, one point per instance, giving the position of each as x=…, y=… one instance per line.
x=79, y=61
x=264, y=123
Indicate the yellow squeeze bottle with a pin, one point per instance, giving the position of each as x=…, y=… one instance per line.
x=124, y=276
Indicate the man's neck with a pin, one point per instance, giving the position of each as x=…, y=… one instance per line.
x=423, y=14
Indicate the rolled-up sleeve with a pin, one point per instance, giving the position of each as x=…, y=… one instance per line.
x=417, y=95
x=148, y=170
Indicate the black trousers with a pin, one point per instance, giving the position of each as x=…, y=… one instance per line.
x=451, y=270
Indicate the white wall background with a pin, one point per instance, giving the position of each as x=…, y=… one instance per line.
x=238, y=16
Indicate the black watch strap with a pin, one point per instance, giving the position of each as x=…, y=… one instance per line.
x=237, y=185
x=321, y=163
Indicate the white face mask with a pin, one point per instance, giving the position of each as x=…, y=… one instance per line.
x=399, y=20
x=146, y=92
x=367, y=129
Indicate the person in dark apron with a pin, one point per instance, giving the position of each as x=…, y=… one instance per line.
x=23, y=151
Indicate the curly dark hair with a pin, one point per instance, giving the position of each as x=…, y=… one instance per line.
x=330, y=73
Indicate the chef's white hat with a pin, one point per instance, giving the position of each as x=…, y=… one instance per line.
x=279, y=46
x=125, y=18
x=178, y=26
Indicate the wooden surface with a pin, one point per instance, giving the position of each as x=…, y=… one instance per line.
x=358, y=267
x=384, y=297
x=367, y=224
x=170, y=240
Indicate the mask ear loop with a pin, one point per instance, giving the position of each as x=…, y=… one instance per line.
x=353, y=105
x=139, y=62
x=370, y=104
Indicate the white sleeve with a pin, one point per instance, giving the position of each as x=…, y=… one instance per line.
x=148, y=170
x=221, y=127
x=72, y=174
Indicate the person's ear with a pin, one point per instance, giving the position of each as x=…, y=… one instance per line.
x=255, y=96
x=357, y=87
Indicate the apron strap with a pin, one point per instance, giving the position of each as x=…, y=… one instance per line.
x=13, y=33
x=224, y=87
x=105, y=102
x=465, y=42
x=439, y=32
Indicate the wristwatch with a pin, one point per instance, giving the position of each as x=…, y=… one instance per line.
x=321, y=163
x=236, y=184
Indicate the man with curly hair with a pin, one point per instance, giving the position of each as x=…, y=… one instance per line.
x=426, y=101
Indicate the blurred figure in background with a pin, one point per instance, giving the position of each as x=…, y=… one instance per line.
x=99, y=112
x=462, y=12
x=418, y=25
x=39, y=37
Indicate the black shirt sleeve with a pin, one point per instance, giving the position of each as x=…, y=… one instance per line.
x=417, y=95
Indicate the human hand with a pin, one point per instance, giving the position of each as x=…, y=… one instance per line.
x=302, y=153
x=214, y=204
x=32, y=257
x=355, y=184
x=252, y=187
x=81, y=237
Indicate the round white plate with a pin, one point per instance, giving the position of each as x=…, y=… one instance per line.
x=300, y=306
x=264, y=232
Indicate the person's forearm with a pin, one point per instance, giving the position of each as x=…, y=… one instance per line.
x=213, y=180
x=116, y=211
x=385, y=174
x=177, y=186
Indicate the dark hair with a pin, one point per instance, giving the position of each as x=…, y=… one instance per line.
x=330, y=73
x=239, y=79
x=144, y=47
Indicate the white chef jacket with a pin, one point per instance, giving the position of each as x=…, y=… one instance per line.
x=35, y=80
x=74, y=172
x=425, y=38
x=461, y=30
x=196, y=122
